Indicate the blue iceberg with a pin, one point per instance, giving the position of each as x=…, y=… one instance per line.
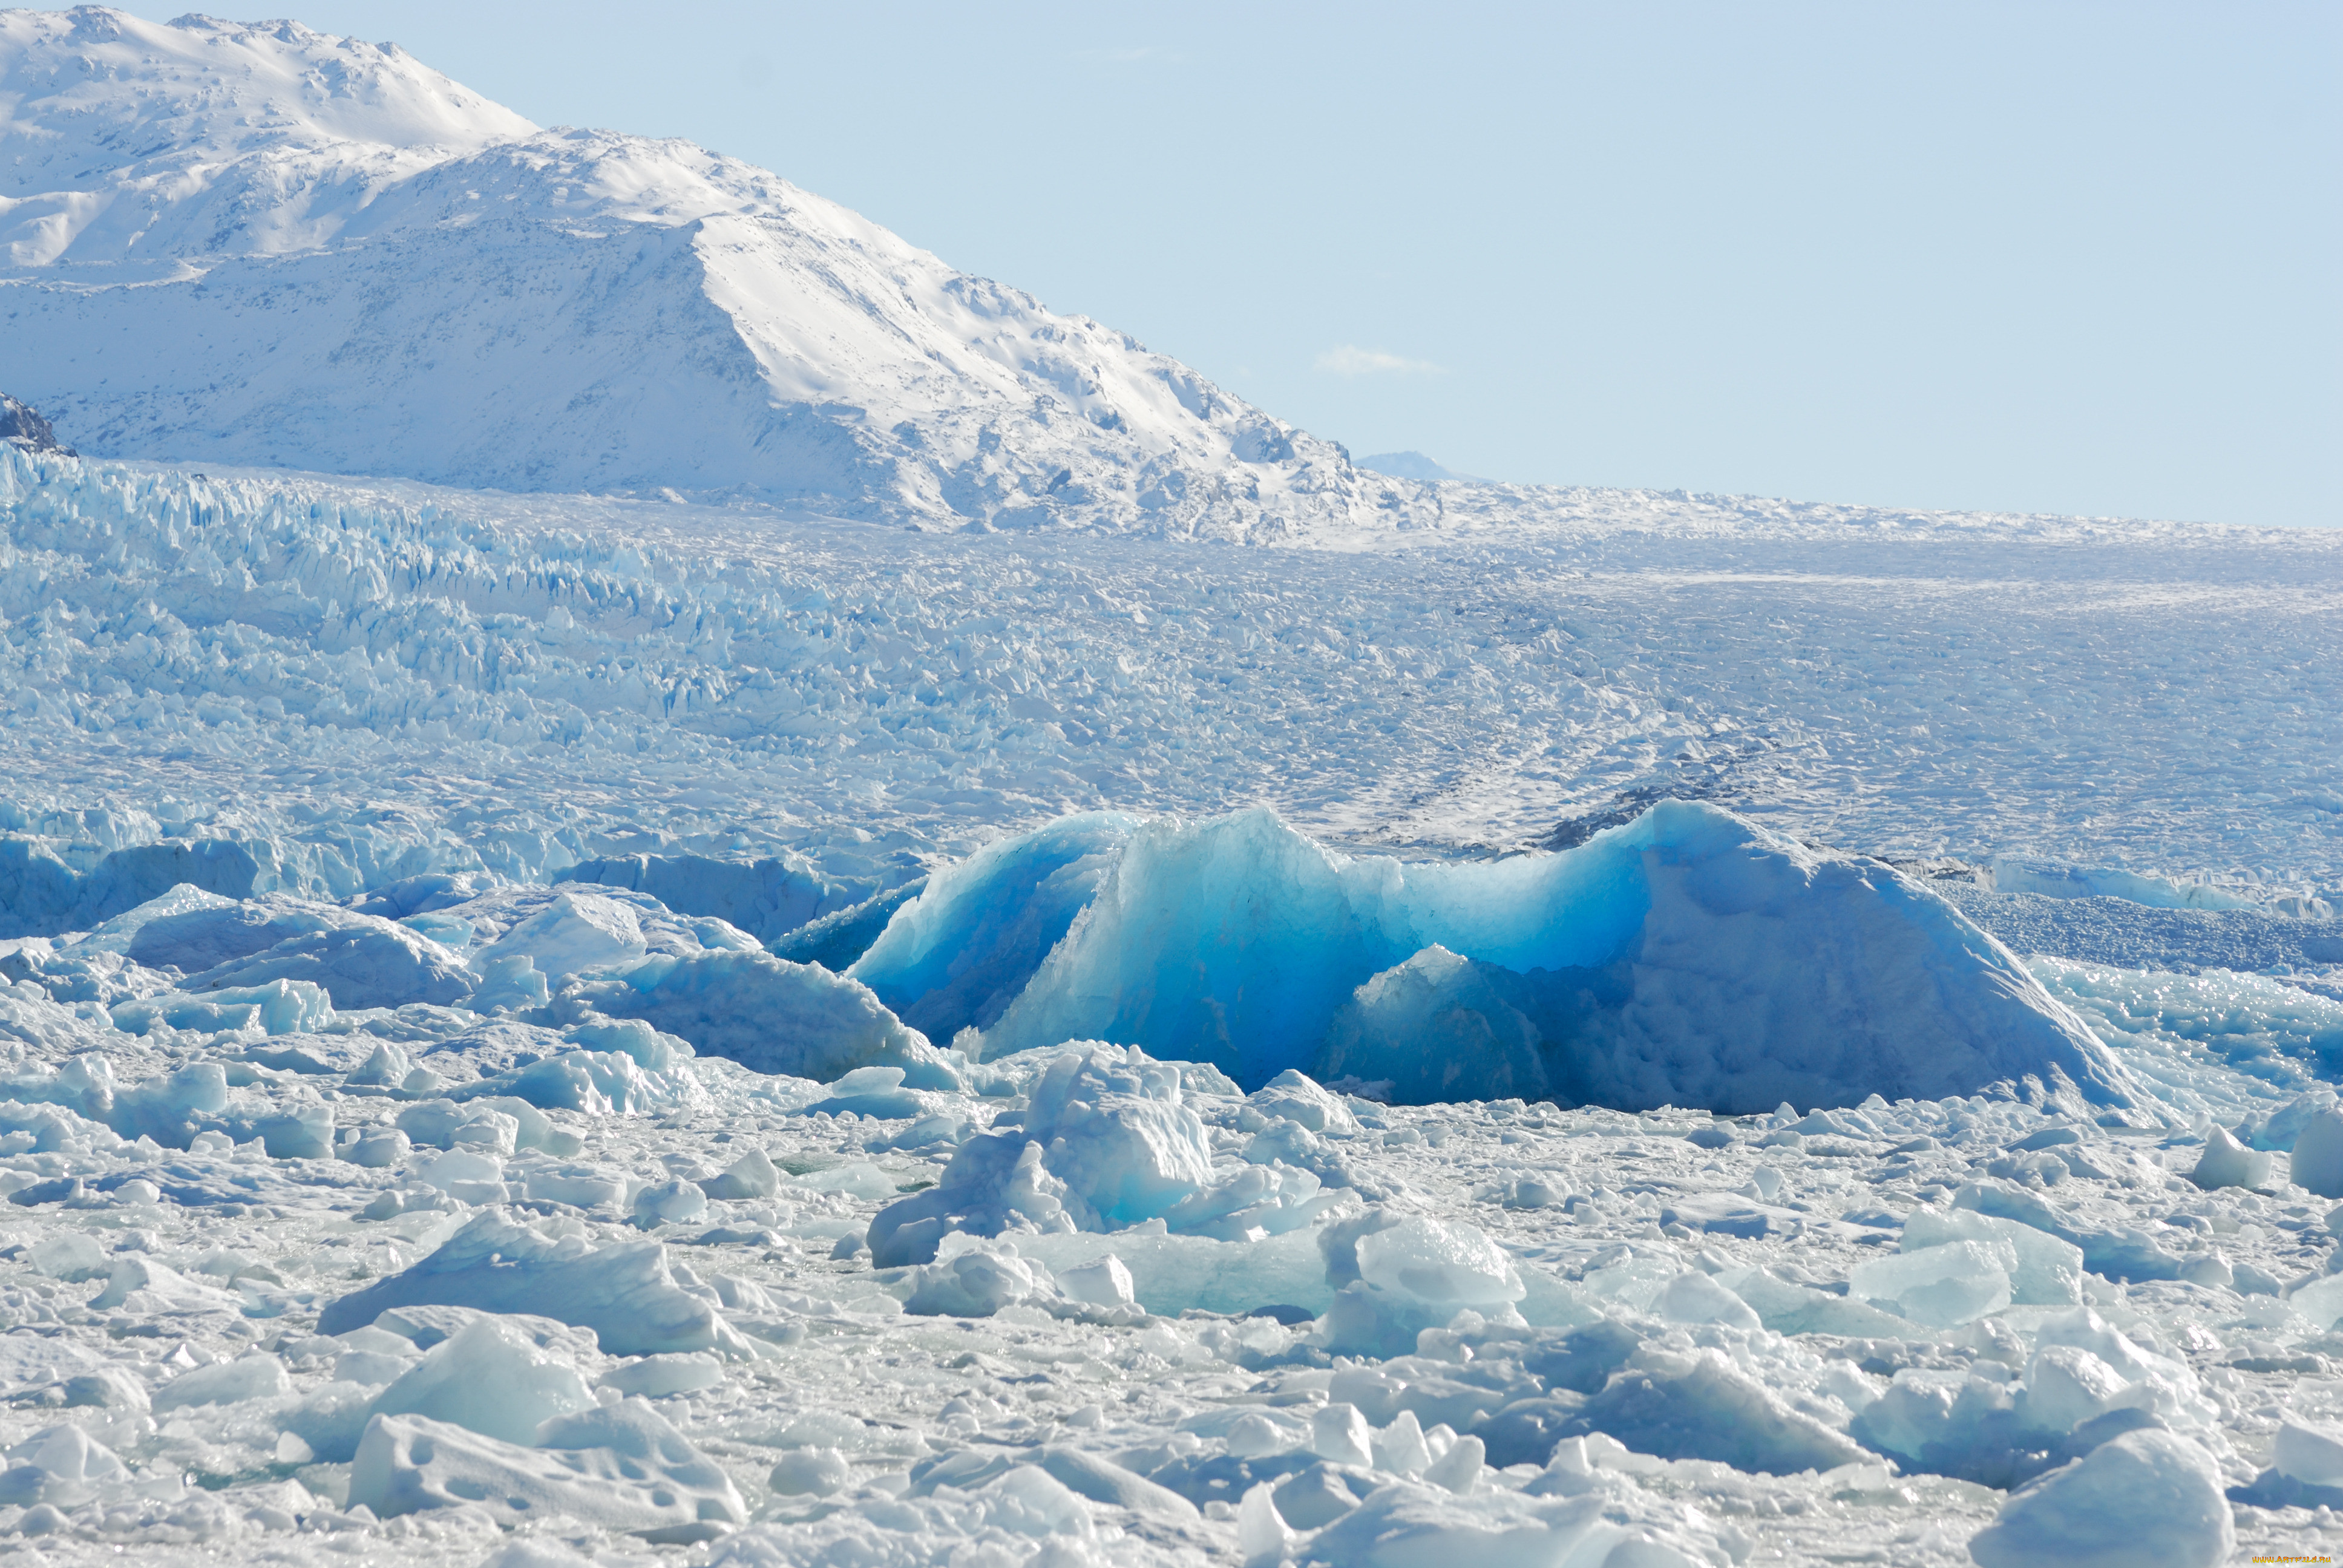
x=1687, y=958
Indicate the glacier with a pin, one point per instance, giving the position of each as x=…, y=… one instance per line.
x=677, y=886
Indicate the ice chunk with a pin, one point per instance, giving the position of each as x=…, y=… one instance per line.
x=623, y=1292
x=2317, y=1159
x=604, y=1082
x=1701, y=1406
x=994, y=1182
x=621, y=1467
x=576, y=932
x=1339, y=1434
x=669, y=1202
x=1446, y=1265
x=1795, y=1309
x=1299, y=1099
x=2147, y=1498
x=2066, y=1386
x=467, y=1173
x=2311, y=1453
x=69, y=1255
x=1414, y=1275
x=1942, y=1286
x=1104, y=1284
x=767, y=897
x=875, y=1091
x=2043, y=1269
x=750, y=1176
x=1113, y=1127
x=377, y=1148
x=374, y=964
x=810, y=1472
x=1693, y=1297
x=257, y=1376
x=491, y=1377
x=766, y=1013
x=975, y=1284
x=960, y=953
x=1252, y=1436
x=1408, y=1524
x=1458, y=1470
x=1263, y=1535
x=1318, y=1495
x=58, y=1465
x=272, y=1007
x=159, y=1288
x=585, y=1186
x=2225, y=1163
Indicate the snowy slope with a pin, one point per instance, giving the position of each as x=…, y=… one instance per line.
x=365, y=268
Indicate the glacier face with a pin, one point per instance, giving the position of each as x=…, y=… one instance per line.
x=360, y=268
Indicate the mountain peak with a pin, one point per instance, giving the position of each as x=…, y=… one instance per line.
x=1414, y=466
x=357, y=266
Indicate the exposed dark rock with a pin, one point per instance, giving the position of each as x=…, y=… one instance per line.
x=22, y=429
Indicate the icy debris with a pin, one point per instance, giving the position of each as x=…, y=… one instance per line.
x=2145, y=1497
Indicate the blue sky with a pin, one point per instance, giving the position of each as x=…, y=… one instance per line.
x=2050, y=256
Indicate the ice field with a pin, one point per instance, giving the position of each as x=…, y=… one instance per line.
x=540, y=1026
x=945, y=948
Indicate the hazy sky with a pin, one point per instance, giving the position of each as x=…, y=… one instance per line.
x=2046, y=256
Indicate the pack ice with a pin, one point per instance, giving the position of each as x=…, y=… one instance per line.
x=1570, y=1027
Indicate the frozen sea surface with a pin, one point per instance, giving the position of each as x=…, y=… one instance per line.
x=543, y=1029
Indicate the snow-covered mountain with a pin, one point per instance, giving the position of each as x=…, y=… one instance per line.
x=260, y=243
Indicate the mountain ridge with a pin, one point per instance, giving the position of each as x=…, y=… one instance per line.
x=264, y=244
